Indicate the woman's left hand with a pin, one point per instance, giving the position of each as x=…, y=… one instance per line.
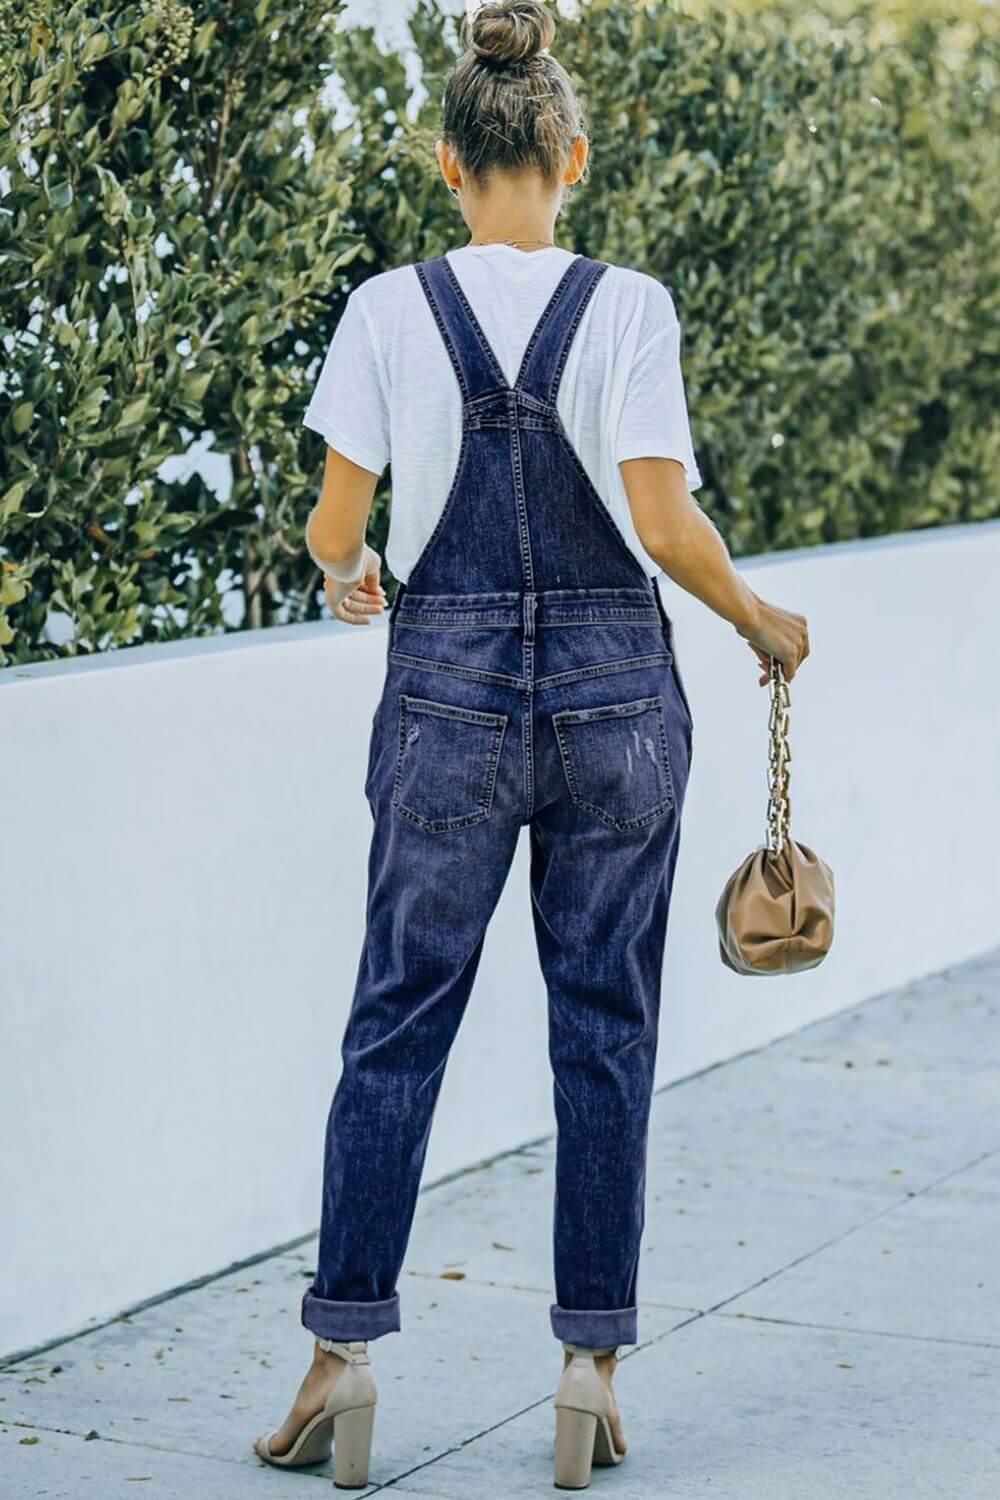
x=355, y=603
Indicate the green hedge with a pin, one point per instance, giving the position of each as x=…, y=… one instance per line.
x=181, y=219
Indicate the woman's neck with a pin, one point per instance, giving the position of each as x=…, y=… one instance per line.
x=506, y=220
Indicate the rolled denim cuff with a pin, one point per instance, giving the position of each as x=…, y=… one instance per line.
x=349, y=1321
x=603, y=1328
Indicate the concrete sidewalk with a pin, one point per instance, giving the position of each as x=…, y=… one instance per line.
x=819, y=1304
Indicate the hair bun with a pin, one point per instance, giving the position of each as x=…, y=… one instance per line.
x=507, y=32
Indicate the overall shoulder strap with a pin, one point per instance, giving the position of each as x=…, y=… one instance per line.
x=548, y=347
x=473, y=360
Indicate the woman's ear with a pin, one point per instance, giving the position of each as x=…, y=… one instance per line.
x=448, y=165
x=577, y=163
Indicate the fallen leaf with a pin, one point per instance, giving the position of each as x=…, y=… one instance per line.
x=29, y=1442
x=498, y=1246
x=452, y=1275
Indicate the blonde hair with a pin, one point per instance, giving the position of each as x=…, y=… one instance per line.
x=508, y=104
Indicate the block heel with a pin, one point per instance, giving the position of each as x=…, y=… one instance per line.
x=346, y=1422
x=352, y=1447
x=576, y=1435
x=583, y=1428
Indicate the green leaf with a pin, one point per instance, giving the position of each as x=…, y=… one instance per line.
x=203, y=38
x=135, y=412
x=12, y=589
x=195, y=386
x=10, y=501
x=95, y=47
x=20, y=417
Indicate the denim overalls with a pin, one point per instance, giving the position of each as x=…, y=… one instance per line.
x=529, y=681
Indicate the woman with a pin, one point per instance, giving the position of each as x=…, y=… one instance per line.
x=529, y=681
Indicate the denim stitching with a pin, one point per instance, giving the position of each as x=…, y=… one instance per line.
x=533, y=424
x=453, y=711
x=585, y=296
x=582, y=716
x=604, y=711
x=502, y=596
x=527, y=719
x=496, y=722
x=520, y=501
x=456, y=622
x=614, y=617
x=439, y=318
x=566, y=281
x=513, y=596
x=425, y=663
x=599, y=669
x=474, y=324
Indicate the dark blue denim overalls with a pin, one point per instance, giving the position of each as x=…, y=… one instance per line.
x=529, y=680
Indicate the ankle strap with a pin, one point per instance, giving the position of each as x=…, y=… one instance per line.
x=354, y=1354
x=579, y=1349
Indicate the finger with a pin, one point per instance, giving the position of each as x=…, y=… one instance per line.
x=760, y=655
x=348, y=617
x=363, y=606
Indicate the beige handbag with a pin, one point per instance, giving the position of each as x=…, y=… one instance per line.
x=775, y=915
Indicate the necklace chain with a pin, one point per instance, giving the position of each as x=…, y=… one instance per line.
x=515, y=243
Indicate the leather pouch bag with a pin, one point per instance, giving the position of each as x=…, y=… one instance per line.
x=775, y=915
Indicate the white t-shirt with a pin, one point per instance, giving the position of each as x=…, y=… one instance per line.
x=387, y=391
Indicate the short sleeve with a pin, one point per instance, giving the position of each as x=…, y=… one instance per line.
x=349, y=406
x=654, y=418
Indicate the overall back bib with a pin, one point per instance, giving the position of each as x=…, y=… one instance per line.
x=529, y=681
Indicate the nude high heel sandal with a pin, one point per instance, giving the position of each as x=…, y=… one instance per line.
x=346, y=1422
x=583, y=1428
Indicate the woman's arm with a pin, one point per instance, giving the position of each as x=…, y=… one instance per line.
x=682, y=540
x=335, y=539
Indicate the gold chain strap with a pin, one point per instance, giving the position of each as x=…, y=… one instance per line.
x=779, y=807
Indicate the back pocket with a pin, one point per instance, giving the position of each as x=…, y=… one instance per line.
x=616, y=761
x=446, y=763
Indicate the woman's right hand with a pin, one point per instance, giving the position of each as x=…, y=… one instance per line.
x=357, y=601
x=775, y=632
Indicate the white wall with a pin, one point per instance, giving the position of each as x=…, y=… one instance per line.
x=184, y=836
